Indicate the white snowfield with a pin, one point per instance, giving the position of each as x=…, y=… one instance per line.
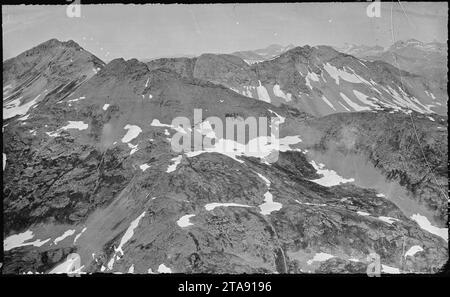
x=64, y=235
x=22, y=239
x=15, y=108
x=328, y=102
x=407, y=102
x=363, y=98
x=79, y=234
x=164, y=269
x=24, y=118
x=77, y=99
x=52, y=133
x=211, y=206
x=263, y=95
x=345, y=107
x=262, y=147
x=320, y=257
x=265, y=179
x=184, y=221
x=71, y=265
x=425, y=224
x=363, y=213
x=413, y=250
x=144, y=167
x=389, y=269
x=133, y=148
x=75, y=125
x=133, y=131
x=330, y=177
x=177, y=161
x=311, y=76
x=128, y=234
x=269, y=205
x=338, y=74
x=125, y=238
x=352, y=104
x=279, y=93
x=248, y=91
x=388, y=220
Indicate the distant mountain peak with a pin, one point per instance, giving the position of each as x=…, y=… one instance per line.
x=262, y=54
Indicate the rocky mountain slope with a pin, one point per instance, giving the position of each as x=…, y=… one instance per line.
x=89, y=169
x=49, y=67
x=425, y=59
x=317, y=80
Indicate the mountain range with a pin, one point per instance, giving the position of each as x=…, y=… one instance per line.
x=88, y=166
x=428, y=60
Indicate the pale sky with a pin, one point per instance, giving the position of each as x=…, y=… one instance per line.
x=146, y=31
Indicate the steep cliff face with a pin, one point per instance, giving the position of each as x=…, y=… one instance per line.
x=90, y=170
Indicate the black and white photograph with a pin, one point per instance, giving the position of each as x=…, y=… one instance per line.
x=265, y=139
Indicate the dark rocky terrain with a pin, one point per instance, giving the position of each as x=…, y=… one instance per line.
x=76, y=182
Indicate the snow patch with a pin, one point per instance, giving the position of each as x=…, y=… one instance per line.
x=363, y=213
x=269, y=205
x=320, y=257
x=164, y=269
x=341, y=74
x=389, y=269
x=363, y=98
x=262, y=93
x=128, y=234
x=330, y=177
x=413, y=250
x=19, y=240
x=327, y=102
x=68, y=233
x=132, y=133
x=352, y=104
x=211, y=206
x=79, y=234
x=68, y=266
x=144, y=167
x=176, y=161
x=425, y=224
x=388, y=220
x=75, y=125
x=184, y=221
x=14, y=108
x=278, y=92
